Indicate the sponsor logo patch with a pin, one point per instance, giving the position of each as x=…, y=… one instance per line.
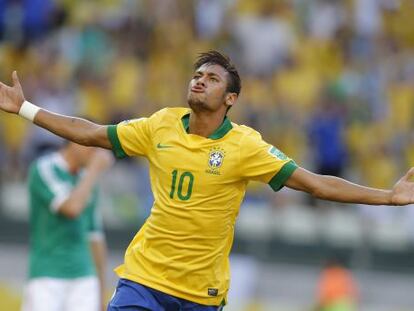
x=161, y=146
x=273, y=151
x=212, y=292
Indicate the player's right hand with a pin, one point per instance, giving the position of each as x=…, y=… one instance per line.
x=101, y=160
x=11, y=97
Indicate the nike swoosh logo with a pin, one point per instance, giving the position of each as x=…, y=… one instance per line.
x=159, y=146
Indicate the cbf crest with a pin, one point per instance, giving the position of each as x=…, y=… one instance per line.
x=215, y=160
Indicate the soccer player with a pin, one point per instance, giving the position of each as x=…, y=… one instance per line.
x=200, y=163
x=67, y=247
x=337, y=289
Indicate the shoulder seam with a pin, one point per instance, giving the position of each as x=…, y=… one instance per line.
x=58, y=188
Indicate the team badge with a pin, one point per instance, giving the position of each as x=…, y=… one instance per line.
x=215, y=160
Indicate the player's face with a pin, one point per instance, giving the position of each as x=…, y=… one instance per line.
x=84, y=154
x=207, y=89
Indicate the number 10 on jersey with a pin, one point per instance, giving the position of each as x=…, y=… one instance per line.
x=185, y=177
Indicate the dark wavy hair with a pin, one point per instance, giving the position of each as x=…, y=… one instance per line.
x=216, y=58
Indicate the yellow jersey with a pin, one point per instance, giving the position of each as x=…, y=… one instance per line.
x=198, y=185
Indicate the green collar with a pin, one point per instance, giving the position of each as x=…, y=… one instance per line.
x=222, y=130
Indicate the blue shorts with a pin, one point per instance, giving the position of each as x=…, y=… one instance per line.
x=132, y=296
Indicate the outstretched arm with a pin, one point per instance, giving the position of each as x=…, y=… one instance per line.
x=74, y=129
x=337, y=189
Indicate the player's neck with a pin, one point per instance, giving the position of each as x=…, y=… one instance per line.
x=70, y=160
x=203, y=124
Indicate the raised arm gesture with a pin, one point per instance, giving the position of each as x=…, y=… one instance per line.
x=78, y=130
x=340, y=190
x=403, y=190
x=11, y=97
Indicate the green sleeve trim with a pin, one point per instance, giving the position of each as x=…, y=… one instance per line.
x=116, y=144
x=278, y=181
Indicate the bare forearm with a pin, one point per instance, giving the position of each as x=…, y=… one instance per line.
x=74, y=129
x=77, y=200
x=340, y=190
x=337, y=189
x=79, y=196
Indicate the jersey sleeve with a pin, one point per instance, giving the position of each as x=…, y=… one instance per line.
x=263, y=162
x=131, y=137
x=46, y=187
x=94, y=217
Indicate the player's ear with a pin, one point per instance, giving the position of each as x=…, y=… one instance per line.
x=231, y=99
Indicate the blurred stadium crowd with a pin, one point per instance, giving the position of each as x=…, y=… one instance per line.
x=331, y=83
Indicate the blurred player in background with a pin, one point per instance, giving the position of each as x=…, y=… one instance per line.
x=67, y=245
x=337, y=290
x=200, y=165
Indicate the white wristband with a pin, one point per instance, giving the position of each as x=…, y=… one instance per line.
x=28, y=110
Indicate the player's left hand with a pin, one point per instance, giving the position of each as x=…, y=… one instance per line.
x=403, y=190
